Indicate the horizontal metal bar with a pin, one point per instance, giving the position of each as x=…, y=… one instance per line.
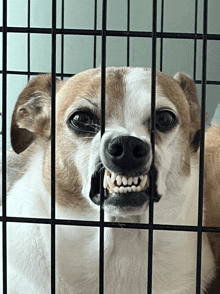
x=34, y=73
x=111, y=33
x=160, y=227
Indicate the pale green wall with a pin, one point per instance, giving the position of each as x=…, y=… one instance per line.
x=79, y=14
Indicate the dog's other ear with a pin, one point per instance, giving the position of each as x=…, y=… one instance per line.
x=31, y=116
x=188, y=87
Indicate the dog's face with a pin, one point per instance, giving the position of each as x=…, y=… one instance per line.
x=124, y=153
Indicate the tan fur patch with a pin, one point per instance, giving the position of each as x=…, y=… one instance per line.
x=84, y=85
x=170, y=89
x=212, y=195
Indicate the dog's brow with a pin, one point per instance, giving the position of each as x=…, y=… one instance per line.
x=91, y=102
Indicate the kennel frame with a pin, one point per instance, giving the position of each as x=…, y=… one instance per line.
x=104, y=33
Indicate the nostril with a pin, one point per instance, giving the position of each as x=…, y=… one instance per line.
x=115, y=149
x=125, y=153
x=139, y=151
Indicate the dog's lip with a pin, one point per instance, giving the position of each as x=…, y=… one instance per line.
x=128, y=196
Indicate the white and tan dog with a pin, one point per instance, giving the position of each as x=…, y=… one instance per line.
x=125, y=152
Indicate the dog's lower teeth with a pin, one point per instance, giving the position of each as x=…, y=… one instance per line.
x=121, y=190
x=116, y=190
x=134, y=188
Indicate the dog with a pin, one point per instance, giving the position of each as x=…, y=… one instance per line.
x=122, y=157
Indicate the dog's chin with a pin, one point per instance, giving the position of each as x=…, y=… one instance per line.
x=125, y=202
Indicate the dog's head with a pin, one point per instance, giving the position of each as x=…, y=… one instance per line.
x=124, y=152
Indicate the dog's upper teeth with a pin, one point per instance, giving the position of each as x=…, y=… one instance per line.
x=119, y=180
x=124, y=181
x=143, y=182
x=130, y=180
x=105, y=182
x=113, y=177
x=135, y=180
x=111, y=185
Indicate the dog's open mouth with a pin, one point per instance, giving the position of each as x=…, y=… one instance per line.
x=123, y=184
x=121, y=190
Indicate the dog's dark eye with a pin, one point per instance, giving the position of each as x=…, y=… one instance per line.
x=84, y=121
x=165, y=120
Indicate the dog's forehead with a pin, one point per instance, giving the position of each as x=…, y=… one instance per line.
x=128, y=93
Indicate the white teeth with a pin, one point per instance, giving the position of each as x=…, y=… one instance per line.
x=118, y=180
x=113, y=177
x=143, y=182
x=116, y=189
x=111, y=185
x=135, y=180
x=130, y=180
x=134, y=188
x=124, y=181
x=105, y=183
x=138, y=189
x=122, y=184
x=121, y=190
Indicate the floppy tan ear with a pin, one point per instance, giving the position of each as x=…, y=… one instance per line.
x=31, y=116
x=188, y=87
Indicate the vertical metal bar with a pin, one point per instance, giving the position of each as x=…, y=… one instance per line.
x=103, y=84
x=4, y=144
x=201, y=165
x=62, y=40
x=195, y=41
x=128, y=30
x=161, y=40
x=28, y=41
x=53, y=144
x=152, y=177
x=95, y=37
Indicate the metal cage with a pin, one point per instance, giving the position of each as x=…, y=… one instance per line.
x=157, y=36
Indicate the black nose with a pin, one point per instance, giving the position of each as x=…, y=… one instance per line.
x=126, y=153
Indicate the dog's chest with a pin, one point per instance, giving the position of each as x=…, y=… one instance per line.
x=126, y=266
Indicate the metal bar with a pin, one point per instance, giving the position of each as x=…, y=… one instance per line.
x=113, y=33
x=161, y=40
x=11, y=72
x=103, y=84
x=179, y=228
x=28, y=41
x=128, y=30
x=195, y=41
x=152, y=177
x=4, y=146
x=62, y=42
x=201, y=163
x=95, y=37
x=53, y=146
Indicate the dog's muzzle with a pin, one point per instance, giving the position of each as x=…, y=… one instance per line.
x=126, y=180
